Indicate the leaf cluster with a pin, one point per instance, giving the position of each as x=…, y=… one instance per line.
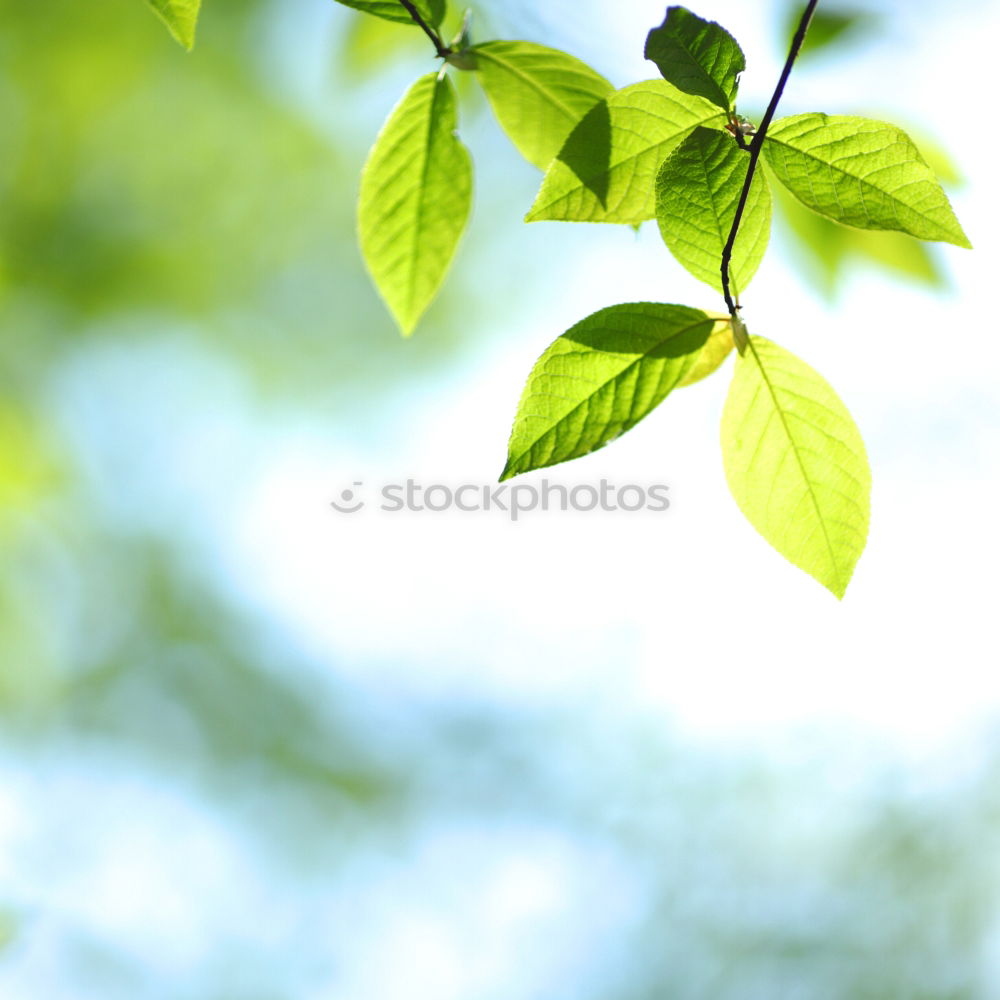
x=676, y=149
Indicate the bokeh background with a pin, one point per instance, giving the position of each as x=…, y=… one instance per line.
x=253, y=749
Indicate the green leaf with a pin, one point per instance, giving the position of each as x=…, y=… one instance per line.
x=606, y=169
x=600, y=378
x=714, y=351
x=796, y=464
x=432, y=11
x=825, y=248
x=180, y=16
x=862, y=173
x=416, y=192
x=697, y=191
x=538, y=94
x=697, y=56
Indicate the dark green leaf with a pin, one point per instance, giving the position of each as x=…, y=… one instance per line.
x=697, y=56
x=432, y=11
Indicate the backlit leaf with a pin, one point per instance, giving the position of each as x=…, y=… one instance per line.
x=796, y=464
x=605, y=171
x=861, y=173
x=416, y=191
x=697, y=191
x=826, y=250
x=713, y=352
x=600, y=378
x=180, y=16
x=538, y=94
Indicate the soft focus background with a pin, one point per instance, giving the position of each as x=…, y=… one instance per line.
x=253, y=749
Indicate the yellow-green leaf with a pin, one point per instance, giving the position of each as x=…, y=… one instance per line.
x=697, y=191
x=538, y=94
x=180, y=16
x=600, y=378
x=605, y=171
x=416, y=192
x=714, y=351
x=861, y=173
x=825, y=249
x=796, y=464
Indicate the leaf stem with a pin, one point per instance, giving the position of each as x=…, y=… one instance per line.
x=442, y=50
x=755, y=147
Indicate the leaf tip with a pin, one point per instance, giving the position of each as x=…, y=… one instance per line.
x=182, y=24
x=406, y=322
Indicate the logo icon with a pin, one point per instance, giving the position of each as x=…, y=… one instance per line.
x=349, y=503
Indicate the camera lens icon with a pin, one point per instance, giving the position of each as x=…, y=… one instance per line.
x=349, y=502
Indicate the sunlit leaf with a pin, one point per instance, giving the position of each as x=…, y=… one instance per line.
x=538, y=94
x=432, y=11
x=697, y=56
x=713, y=352
x=824, y=250
x=416, y=191
x=862, y=173
x=697, y=191
x=796, y=464
x=180, y=16
x=600, y=378
x=605, y=171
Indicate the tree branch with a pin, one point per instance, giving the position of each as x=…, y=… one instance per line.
x=755, y=147
x=442, y=50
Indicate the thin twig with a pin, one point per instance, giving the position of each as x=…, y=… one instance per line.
x=755, y=147
x=442, y=50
